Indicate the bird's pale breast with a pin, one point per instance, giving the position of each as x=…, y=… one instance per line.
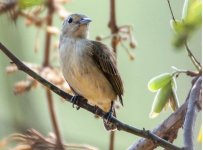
x=83, y=75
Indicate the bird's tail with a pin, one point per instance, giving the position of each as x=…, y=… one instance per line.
x=108, y=125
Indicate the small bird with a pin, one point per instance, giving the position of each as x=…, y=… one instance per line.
x=89, y=66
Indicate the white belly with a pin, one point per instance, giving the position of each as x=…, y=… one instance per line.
x=86, y=79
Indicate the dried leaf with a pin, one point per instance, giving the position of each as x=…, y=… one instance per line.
x=22, y=86
x=53, y=30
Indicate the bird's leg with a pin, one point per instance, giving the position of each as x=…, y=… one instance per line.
x=109, y=114
x=75, y=100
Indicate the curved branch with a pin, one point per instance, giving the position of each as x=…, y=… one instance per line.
x=83, y=104
x=191, y=114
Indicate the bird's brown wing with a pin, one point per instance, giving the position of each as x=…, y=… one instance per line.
x=106, y=61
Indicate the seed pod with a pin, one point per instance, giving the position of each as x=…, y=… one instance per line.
x=160, y=100
x=98, y=38
x=132, y=44
x=159, y=81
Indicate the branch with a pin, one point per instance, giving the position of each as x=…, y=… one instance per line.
x=191, y=114
x=83, y=104
x=193, y=59
x=46, y=63
x=114, y=30
x=113, y=26
x=168, y=129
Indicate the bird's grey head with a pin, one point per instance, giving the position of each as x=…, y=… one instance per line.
x=76, y=26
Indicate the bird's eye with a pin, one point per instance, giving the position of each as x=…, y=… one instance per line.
x=70, y=20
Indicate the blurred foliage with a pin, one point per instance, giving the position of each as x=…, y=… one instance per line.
x=191, y=21
x=23, y=4
x=199, y=138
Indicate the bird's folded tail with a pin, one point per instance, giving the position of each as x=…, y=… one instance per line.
x=108, y=125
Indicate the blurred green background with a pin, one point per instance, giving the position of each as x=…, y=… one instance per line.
x=154, y=55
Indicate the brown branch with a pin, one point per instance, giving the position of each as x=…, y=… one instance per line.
x=113, y=26
x=191, y=114
x=33, y=140
x=112, y=140
x=54, y=120
x=114, y=30
x=47, y=63
x=7, y=6
x=48, y=34
x=83, y=104
x=36, y=20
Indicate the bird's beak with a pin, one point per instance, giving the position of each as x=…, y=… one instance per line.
x=85, y=20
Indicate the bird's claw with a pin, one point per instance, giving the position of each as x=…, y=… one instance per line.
x=75, y=100
x=108, y=116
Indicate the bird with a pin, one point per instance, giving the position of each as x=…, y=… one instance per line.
x=89, y=67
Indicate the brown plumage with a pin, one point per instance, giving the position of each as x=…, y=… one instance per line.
x=106, y=61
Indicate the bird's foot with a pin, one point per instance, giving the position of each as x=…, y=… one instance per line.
x=75, y=100
x=107, y=121
x=108, y=116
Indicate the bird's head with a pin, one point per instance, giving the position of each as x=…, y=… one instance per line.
x=76, y=26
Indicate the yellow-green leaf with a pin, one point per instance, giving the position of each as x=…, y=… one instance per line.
x=194, y=17
x=177, y=25
x=159, y=81
x=186, y=7
x=199, y=138
x=23, y=4
x=160, y=100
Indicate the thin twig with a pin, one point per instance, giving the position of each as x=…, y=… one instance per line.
x=36, y=20
x=45, y=64
x=190, y=54
x=193, y=59
x=114, y=30
x=173, y=17
x=54, y=119
x=83, y=104
x=48, y=34
x=113, y=26
x=112, y=140
x=191, y=115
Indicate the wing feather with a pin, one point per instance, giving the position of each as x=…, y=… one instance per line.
x=106, y=61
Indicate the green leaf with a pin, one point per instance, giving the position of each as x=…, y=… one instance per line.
x=192, y=20
x=199, y=138
x=159, y=81
x=23, y=4
x=160, y=100
x=194, y=17
x=177, y=25
x=186, y=7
